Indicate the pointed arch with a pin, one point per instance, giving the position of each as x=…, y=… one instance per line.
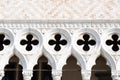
x=80, y=60
x=22, y=58
x=13, y=70
x=71, y=69
x=101, y=70
x=50, y=58
x=5, y=59
x=110, y=60
x=42, y=71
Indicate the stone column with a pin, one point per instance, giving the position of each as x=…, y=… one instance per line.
x=86, y=74
x=56, y=74
x=1, y=74
x=118, y=76
x=115, y=75
x=27, y=75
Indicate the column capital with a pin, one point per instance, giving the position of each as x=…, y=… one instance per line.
x=1, y=74
x=118, y=75
x=115, y=75
x=86, y=74
x=56, y=74
x=27, y=74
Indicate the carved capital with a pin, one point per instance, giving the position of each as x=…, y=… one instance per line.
x=118, y=76
x=56, y=74
x=86, y=74
x=115, y=75
x=1, y=74
x=27, y=75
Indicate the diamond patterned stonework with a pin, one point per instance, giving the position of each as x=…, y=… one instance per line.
x=59, y=9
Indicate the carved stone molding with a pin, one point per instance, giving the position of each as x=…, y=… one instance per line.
x=27, y=75
x=70, y=37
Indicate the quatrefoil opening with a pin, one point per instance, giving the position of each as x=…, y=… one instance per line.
x=57, y=42
x=3, y=41
x=115, y=42
x=86, y=42
x=29, y=42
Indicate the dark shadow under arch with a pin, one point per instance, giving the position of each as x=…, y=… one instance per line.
x=71, y=71
x=13, y=71
x=101, y=71
x=42, y=71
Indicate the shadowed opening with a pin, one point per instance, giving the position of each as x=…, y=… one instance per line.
x=42, y=71
x=71, y=71
x=13, y=71
x=101, y=71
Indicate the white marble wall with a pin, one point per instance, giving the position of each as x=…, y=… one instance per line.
x=71, y=31
x=59, y=9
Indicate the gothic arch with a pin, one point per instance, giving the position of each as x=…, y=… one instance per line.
x=101, y=70
x=51, y=60
x=5, y=60
x=13, y=70
x=79, y=58
x=42, y=70
x=71, y=69
x=23, y=60
x=110, y=60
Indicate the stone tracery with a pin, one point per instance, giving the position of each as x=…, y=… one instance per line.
x=64, y=38
x=57, y=42
x=3, y=41
x=29, y=42
x=86, y=42
x=114, y=42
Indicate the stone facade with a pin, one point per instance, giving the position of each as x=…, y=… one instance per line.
x=59, y=9
x=46, y=35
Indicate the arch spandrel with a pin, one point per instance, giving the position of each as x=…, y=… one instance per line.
x=22, y=60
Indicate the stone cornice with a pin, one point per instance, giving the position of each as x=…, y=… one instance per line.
x=60, y=23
